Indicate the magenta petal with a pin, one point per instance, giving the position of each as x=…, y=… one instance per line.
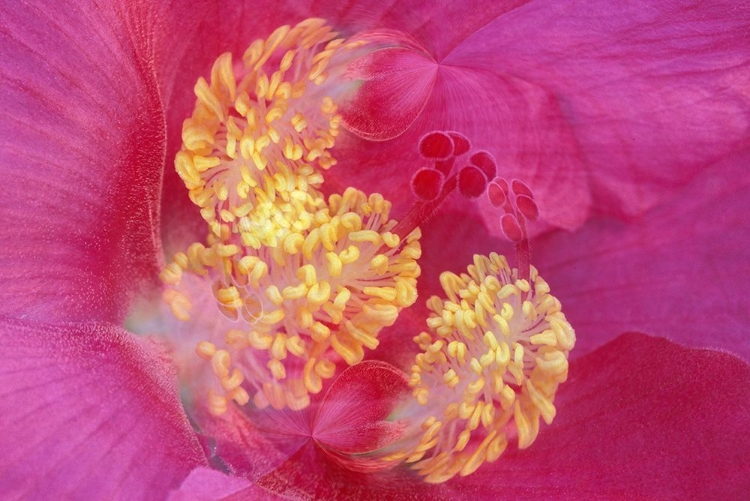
x=205, y=484
x=352, y=416
x=681, y=271
x=89, y=411
x=640, y=418
x=82, y=153
x=652, y=93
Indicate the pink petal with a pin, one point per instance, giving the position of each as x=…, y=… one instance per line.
x=645, y=110
x=652, y=93
x=82, y=153
x=680, y=271
x=441, y=24
x=352, y=415
x=639, y=418
x=89, y=411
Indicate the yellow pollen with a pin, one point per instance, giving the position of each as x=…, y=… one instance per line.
x=261, y=130
x=495, y=354
x=320, y=297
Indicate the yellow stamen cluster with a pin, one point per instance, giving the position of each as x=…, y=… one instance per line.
x=305, y=283
x=489, y=368
x=321, y=295
x=262, y=129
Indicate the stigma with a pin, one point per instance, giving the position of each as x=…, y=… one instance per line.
x=317, y=299
x=262, y=130
x=490, y=365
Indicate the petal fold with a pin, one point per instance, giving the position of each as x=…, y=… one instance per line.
x=89, y=411
x=352, y=417
x=396, y=84
x=82, y=150
x=252, y=442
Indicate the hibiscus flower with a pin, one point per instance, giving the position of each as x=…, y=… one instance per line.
x=629, y=123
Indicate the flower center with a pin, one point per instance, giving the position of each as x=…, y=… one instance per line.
x=261, y=129
x=299, y=285
x=489, y=368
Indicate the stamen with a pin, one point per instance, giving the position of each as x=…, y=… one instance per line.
x=495, y=354
x=319, y=297
x=262, y=129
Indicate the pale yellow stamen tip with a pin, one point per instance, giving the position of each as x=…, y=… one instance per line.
x=179, y=303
